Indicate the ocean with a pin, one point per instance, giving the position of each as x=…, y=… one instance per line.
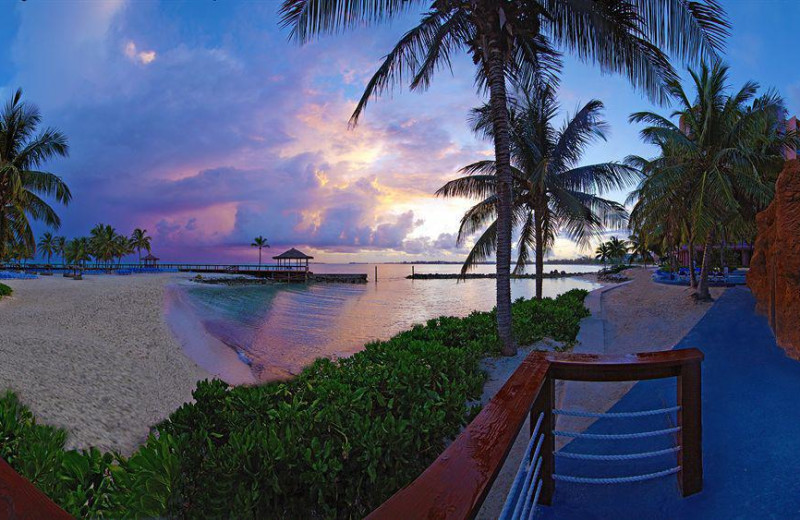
x=247, y=334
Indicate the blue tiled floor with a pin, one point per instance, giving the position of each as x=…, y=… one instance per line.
x=751, y=432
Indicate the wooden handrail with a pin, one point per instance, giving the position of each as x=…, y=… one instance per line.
x=20, y=499
x=455, y=485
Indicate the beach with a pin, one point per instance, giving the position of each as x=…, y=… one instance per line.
x=95, y=356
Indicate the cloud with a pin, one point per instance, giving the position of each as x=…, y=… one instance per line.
x=143, y=57
x=218, y=137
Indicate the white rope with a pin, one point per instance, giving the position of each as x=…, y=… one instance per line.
x=616, y=480
x=622, y=456
x=599, y=436
x=522, y=473
x=616, y=415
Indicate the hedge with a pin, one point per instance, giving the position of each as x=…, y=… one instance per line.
x=5, y=290
x=334, y=442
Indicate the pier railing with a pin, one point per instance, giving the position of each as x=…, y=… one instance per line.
x=457, y=483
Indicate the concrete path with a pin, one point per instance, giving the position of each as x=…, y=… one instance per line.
x=751, y=424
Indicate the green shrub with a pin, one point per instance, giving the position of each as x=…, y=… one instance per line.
x=334, y=442
x=5, y=290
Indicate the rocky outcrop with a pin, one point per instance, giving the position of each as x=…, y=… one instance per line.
x=774, y=274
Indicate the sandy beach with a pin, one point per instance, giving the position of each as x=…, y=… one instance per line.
x=94, y=356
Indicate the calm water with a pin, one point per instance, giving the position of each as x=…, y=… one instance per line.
x=280, y=328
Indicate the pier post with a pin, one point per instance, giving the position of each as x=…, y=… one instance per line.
x=376, y=274
x=412, y=271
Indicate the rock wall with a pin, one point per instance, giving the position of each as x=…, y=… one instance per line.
x=774, y=274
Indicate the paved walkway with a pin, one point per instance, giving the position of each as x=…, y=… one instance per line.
x=751, y=428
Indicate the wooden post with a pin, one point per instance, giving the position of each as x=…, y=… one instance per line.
x=545, y=404
x=690, y=419
x=412, y=271
x=376, y=274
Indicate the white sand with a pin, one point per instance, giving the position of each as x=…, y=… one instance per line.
x=94, y=356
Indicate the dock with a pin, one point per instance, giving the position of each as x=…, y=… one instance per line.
x=272, y=272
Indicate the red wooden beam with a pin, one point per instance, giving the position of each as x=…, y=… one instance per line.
x=20, y=500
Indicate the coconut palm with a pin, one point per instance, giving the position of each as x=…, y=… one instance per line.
x=603, y=253
x=719, y=160
x=59, y=245
x=515, y=38
x=104, y=243
x=140, y=240
x=76, y=253
x=23, y=151
x=259, y=242
x=552, y=194
x=618, y=249
x=47, y=245
x=640, y=247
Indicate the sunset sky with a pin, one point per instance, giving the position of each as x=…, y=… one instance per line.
x=201, y=122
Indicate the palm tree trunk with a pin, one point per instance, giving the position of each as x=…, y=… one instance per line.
x=537, y=220
x=502, y=150
x=703, y=294
x=259, y=256
x=692, y=274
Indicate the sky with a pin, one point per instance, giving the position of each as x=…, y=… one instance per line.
x=201, y=122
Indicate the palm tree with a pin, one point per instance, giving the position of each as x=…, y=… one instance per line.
x=47, y=245
x=140, y=240
x=104, y=243
x=23, y=151
x=552, y=194
x=640, y=247
x=618, y=248
x=259, y=242
x=603, y=252
x=59, y=245
x=76, y=253
x=506, y=39
x=719, y=159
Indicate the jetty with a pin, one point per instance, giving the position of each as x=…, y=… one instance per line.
x=471, y=276
x=291, y=266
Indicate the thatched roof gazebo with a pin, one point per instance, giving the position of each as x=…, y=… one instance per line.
x=150, y=260
x=293, y=259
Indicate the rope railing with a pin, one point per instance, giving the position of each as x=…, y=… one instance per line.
x=616, y=436
x=616, y=415
x=527, y=485
x=616, y=480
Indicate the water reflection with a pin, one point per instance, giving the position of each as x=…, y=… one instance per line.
x=282, y=328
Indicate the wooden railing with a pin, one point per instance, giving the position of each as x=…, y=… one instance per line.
x=20, y=499
x=457, y=483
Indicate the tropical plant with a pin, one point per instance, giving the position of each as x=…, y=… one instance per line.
x=603, y=253
x=47, y=245
x=58, y=246
x=618, y=249
x=140, y=240
x=259, y=242
x=717, y=163
x=23, y=152
x=515, y=39
x=640, y=248
x=552, y=193
x=76, y=252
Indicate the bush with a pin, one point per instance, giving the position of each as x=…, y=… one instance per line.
x=334, y=442
x=5, y=290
